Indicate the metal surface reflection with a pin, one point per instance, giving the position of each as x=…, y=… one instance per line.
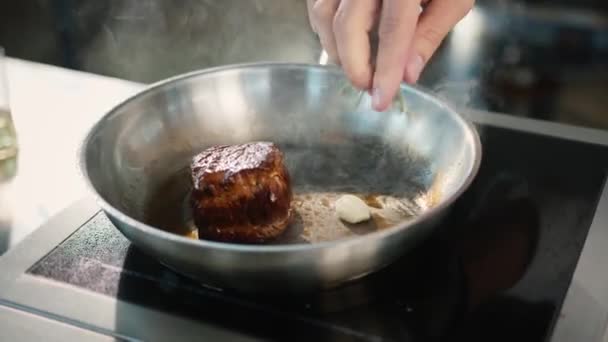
x=431, y=157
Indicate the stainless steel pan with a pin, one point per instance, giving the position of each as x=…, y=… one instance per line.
x=408, y=165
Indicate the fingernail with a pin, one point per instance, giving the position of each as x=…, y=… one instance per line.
x=414, y=67
x=376, y=97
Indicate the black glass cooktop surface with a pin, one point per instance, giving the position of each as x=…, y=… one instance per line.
x=497, y=269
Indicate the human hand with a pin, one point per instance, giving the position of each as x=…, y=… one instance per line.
x=407, y=38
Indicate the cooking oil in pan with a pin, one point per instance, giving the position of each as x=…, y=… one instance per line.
x=388, y=183
x=317, y=219
x=314, y=219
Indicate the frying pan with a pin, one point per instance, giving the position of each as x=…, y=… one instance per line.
x=409, y=164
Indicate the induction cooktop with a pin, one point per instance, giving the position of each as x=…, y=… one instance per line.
x=519, y=258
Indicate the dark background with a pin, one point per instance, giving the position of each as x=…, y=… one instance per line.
x=541, y=59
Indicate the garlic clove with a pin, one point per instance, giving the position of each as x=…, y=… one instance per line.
x=352, y=209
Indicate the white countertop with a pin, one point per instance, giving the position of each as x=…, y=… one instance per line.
x=53, y=108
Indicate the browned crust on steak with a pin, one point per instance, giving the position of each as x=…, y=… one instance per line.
x=241, y=193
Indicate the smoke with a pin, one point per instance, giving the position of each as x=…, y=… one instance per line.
x=459, y=94
x=147, y=41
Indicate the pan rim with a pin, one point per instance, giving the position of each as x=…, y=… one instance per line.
x=471, y=134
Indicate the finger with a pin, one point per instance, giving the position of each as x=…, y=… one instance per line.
x=323, y=17
x=438, y=18
x=396, y=29
x=352, y=24
x=309, y=5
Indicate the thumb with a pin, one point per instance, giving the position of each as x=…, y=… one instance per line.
x=437, y=19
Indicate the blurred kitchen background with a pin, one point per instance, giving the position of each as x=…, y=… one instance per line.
x=535, y=58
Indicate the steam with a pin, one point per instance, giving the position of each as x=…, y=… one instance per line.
x=457, y=94
x=146, y=41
